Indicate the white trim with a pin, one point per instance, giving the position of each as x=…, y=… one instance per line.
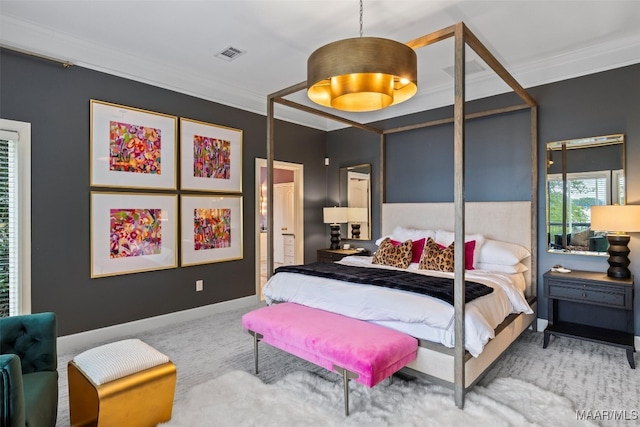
x=542, y=324
x=20, y=34
x=23, y=130
x=83, y=340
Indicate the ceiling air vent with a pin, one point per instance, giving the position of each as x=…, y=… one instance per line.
x=470, y=67
x=230, y=53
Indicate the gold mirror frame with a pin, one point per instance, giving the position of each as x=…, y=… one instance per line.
x=580, y=173
x=355, y=192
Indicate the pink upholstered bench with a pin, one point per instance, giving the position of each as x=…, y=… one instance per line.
x=356, y=349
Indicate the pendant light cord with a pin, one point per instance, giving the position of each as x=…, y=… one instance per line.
x=360, y=18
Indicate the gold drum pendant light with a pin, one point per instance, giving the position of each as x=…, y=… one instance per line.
x=362, y=74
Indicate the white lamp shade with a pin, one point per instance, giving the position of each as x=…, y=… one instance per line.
x=358, y=215
x=616, y=218
x=334, y=215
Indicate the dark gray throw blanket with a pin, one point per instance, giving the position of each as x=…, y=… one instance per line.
x=437, y=287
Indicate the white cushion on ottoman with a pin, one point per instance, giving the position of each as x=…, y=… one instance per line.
x=118, y=359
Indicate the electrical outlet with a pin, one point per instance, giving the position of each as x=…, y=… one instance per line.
x=199, y=285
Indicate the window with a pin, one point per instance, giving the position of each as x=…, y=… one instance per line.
x=584, y=190
x=15, y=218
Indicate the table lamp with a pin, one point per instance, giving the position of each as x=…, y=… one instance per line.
x=334, y=217
x=617, y=220
x=356, y=216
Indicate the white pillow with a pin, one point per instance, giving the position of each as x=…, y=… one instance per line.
x=445, y=238
x=509, y=269
x=402, y=234
x=504, y=253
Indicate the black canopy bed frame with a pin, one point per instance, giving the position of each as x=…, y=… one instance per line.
x=462, y=37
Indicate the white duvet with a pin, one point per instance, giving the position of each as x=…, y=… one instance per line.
x=418, y=315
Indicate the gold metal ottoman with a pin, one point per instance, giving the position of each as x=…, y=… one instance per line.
x=125, y=383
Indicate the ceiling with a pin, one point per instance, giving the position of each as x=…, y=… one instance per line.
x=173, y=44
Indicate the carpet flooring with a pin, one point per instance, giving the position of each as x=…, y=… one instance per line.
x=596, y=378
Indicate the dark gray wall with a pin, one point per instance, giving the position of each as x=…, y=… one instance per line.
x=598, y=104
x=420, y=162
x=497, y=158
x=56, y=102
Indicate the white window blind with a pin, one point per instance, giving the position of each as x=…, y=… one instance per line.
x=15, y=217
x=9, y=271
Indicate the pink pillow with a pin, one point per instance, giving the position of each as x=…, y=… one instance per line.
x=417, y=246
x=469, y=247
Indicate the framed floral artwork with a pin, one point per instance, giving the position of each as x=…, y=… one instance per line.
x=132, y=148
x=211, y=229
x=131, y=233
x=210, y=157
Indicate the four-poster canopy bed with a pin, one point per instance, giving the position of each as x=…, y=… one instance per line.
x=516, y=221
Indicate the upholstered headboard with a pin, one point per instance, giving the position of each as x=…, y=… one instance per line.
x=506, y=221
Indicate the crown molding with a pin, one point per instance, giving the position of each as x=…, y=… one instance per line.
x=23, y=35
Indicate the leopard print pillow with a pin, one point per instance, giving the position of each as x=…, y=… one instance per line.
x=395, y=256
x=436, y=258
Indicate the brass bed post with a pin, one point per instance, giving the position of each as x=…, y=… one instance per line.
x=458, y=201
x=270, y=156
x=534, y=208
x=271, y=100
x=383, y=174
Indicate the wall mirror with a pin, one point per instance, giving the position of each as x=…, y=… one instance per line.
x=355, y=194
x=581, y=173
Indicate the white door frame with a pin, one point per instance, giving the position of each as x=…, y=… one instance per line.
x=298, y=180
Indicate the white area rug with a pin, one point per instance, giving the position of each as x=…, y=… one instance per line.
x=306, y=399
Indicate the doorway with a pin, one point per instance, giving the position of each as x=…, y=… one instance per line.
x=288, y=221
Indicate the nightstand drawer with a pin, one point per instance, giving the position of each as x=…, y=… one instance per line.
x=588, y=295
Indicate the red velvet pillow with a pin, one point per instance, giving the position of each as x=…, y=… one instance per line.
x=417, y=247
x=469, y=247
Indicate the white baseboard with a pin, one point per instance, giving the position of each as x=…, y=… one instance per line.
x=81, y=340
x=542, y=324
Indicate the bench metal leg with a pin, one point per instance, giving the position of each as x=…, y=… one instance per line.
x=256, y=339
x=346, y=376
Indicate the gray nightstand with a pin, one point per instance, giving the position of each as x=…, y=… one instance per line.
x=591, y=289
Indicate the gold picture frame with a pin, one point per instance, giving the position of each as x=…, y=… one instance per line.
x=132, y=232
x=132, y=148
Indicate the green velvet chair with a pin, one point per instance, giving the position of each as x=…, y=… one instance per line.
x=28, y=371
